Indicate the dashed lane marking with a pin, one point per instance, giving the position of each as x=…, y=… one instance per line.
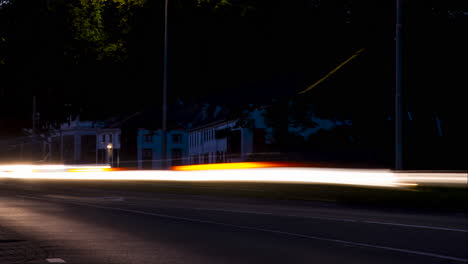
x=55, y=260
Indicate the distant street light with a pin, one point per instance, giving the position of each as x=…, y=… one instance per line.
x=110, y=157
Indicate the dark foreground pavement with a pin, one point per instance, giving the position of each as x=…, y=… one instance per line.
x=91, y=225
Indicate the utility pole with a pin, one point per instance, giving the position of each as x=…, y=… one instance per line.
x=398, y=86
x=164, y=95
x=34, y=114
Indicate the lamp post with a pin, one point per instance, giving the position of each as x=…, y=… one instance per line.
x=110, y=157
x=398, y=86
x=164, y=95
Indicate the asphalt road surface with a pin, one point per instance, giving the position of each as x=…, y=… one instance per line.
x=90, y=225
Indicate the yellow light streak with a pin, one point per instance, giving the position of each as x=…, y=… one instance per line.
x=227, y=166
x=89, y=169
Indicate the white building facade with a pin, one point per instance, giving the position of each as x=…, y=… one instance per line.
x=220, y=142
x=86, y=142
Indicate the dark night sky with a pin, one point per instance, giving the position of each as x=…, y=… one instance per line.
x=273, y=51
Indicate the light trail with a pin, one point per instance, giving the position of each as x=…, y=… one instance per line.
x=25, y=168
x=230, y=166
x=244, y=172
x=434, y=178
x=268, y=172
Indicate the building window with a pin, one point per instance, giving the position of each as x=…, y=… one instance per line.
x=147, y=138
x=103, y=138
x=110, y=138
x=176, y=138
x=118, y=139
x=206, y=158
x=147, y=154
x=176, y=156
x=147, y=159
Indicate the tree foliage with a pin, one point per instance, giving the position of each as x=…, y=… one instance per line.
x=241, y=7
x=102, y=25
x=3, y=40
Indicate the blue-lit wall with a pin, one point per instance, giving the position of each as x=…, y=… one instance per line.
x=149, y=145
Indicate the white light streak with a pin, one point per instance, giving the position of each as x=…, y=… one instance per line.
x=285, y=175
x=359, y=177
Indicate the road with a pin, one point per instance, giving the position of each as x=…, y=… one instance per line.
x=92, y=225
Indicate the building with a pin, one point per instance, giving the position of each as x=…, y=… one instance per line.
x=215, y=143
x=75, y=142
x=108, y=145
x=227, y=141
x=149, y=148
x=86, y=142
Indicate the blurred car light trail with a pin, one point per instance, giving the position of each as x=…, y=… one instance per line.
x=237, y=172
x=228, y=166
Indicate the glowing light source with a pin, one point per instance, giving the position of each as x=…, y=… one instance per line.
x=25, y=168
x=237, y=172
x=90, y=169
x=228, y=166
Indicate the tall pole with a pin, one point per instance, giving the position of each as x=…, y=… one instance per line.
x=398, y=86
x=164, y=96
x=34, y=114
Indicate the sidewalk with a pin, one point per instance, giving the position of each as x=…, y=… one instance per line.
x=16, y=250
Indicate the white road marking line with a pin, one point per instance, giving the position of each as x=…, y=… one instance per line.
x=417, y=226
x=55, y=260
x=194, y=220
x=324, y=218
x=111, y=198
x=343, y=220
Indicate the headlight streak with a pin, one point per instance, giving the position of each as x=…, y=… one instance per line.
x=25, y=168
x=236, y=172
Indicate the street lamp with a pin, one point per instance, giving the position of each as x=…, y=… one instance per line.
x=164, y=95
x=110, y=157
x=398, y=86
